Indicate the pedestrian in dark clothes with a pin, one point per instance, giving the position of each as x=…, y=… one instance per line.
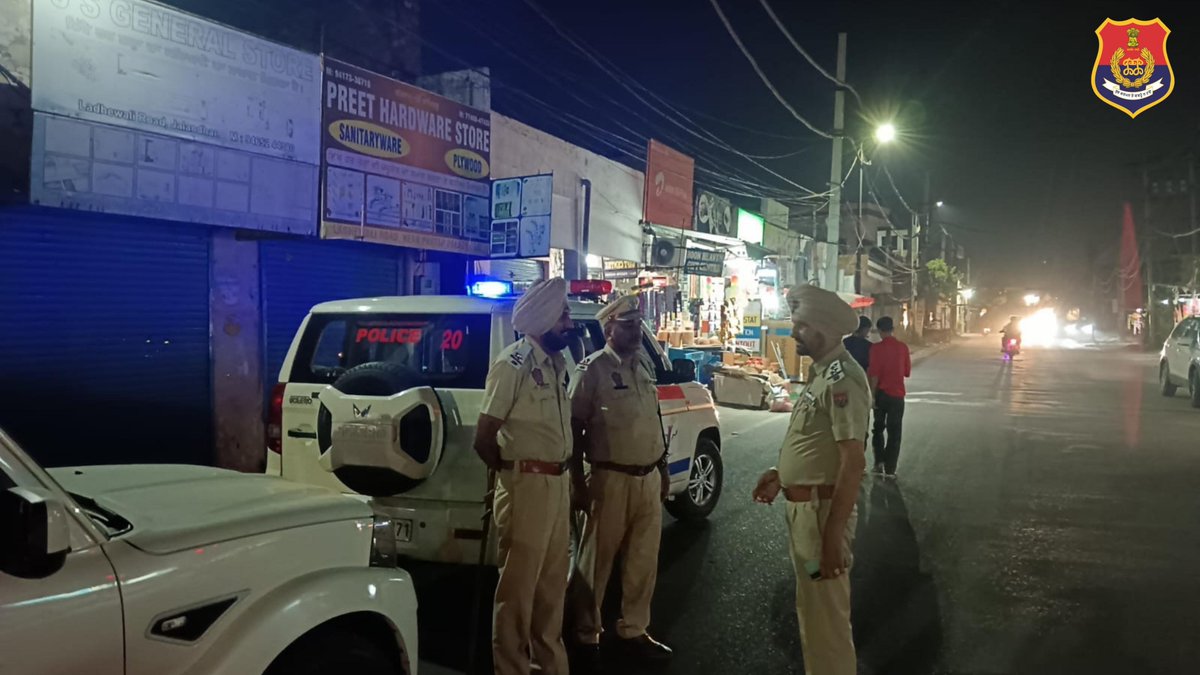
x=857, y=343
x=891, y=363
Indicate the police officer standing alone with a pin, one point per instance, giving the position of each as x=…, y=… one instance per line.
x=615, y=415
x=820, y=469
x=524, y=436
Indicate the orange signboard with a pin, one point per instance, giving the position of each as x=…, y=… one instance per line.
x=668, y=195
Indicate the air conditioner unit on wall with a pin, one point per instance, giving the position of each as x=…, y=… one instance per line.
x=665, y=253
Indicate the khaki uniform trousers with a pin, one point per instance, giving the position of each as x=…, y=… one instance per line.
x=625, y=520
x=531, y=513
x=823, y=607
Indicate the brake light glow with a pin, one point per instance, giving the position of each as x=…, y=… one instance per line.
x=591, y=287
x=275, y=419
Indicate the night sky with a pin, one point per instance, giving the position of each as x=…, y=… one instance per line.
x=992, y=99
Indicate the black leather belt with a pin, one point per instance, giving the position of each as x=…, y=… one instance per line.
x=631, y=469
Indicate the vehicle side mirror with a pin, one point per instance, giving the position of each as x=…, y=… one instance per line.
x=685, y=370
x=35, y=534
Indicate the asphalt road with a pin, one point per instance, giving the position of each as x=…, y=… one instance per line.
x=1045, y=521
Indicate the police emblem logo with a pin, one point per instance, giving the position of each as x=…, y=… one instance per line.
x=538, y=377
x=1132, y=72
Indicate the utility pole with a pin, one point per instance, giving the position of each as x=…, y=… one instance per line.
x=1192, y=196
x=834, y=220
x=1147, y=338
x=858, y=228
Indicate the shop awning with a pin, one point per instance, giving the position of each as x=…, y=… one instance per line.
x=857, y=301
x=757, y=252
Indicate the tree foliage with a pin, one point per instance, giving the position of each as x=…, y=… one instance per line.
x=940, y=279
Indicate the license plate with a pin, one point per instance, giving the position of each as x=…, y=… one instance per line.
x=403, y=530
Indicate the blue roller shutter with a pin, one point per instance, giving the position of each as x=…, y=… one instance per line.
x=297, y=274
x=104, y=354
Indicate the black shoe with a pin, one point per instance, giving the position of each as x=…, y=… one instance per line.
x=879, y=471
x=584, y=658
x=646, y=648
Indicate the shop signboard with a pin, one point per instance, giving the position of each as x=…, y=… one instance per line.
x=714, y=214
x=401, y=165
x=749, y=227
x=620, y=269
x=704, y=263
x=520, y=222
x=750, y=339
x=141, y=109
x=668, y=193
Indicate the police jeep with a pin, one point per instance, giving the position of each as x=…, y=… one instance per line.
x=380, y=397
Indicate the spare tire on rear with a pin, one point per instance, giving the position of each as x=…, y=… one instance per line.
x=416, y=428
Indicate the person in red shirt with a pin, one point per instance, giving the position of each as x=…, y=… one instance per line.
x=890, y=363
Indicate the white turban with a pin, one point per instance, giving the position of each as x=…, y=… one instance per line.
x=821, y=309
x=541, y=307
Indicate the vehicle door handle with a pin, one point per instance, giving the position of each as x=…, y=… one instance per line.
x=299, y=433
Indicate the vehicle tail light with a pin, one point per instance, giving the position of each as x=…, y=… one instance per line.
x=591, y=287
x=275, y=419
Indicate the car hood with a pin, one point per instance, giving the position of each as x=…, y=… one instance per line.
x=176, y=507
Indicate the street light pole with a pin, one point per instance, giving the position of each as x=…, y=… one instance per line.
x=833, y=221
x=858, y=229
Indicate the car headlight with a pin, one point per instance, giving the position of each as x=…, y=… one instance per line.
x=383, y=541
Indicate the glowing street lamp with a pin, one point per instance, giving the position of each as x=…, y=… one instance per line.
x=885, y=133
x=968, y=293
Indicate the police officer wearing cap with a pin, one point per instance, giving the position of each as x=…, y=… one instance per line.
x=820, y=469
x=524, y=437
x=615, y=416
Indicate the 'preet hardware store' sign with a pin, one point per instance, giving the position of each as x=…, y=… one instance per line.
x=403, y=166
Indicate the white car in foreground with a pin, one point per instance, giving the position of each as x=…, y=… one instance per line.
x=162, y=569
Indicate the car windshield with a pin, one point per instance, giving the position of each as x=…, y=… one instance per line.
x=438, y=350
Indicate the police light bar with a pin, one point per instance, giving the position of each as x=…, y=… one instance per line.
x=591, y=287
x=490, y=288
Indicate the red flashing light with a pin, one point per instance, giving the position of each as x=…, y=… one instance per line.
x=275, y=419
x=591, y=287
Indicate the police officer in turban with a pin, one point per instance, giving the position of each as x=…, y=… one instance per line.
x=524, y=436
x=820, y=468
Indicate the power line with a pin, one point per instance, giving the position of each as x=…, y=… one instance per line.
x=570, y=88
x=761, y=75
x=763, y=190
x=609, y=69
x=896, y=190
x=812, y=62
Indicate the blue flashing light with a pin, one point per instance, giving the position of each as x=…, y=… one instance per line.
x=490, y=288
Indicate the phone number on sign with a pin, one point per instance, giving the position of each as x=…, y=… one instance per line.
x=262, y=142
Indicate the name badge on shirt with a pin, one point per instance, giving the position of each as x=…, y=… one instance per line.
x=809, y=400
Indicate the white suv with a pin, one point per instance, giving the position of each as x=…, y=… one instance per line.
x=381, y=396
x=1179, y=361
x=162, y=569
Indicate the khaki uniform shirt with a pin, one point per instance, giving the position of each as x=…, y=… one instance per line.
x=832, y=407
x=526, y=387
x=618, y=400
